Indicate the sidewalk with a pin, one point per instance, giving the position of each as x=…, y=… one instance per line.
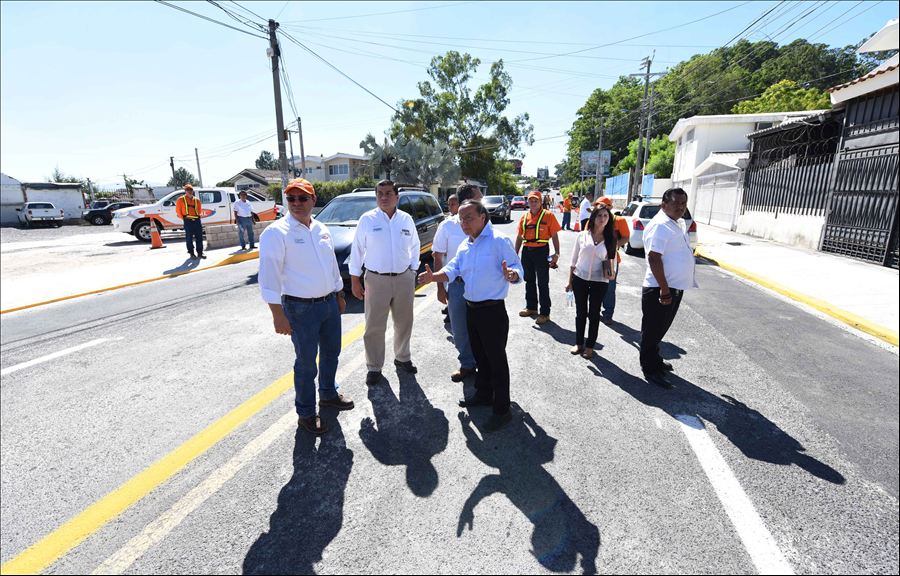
x=35, y=272
x=866, y=290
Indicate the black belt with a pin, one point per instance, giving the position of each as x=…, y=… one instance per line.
x=387, y=273
x=306, y=300
x=483, y=303
x=541, y=246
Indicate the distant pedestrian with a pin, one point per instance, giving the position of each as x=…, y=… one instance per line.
x=453, y=208
x=447, y=240
x=567, y=213
x=622, y=236
x=670, y=271
x=585, y=209
x=188, y=208
x=537, y=228
x=488, y=264
x=243, y=215
x=591, y=270
x=546, y=202
x=300, y=280
x=387, y=244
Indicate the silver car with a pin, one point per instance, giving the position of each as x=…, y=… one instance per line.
x=638, y=215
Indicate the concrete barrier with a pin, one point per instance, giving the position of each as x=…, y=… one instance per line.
x=226, y=235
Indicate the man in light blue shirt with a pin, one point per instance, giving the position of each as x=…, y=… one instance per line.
x=488, y=263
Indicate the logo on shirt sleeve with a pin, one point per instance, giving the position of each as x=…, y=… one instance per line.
x=406, y=232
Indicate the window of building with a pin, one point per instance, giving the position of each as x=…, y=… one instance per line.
x=690, y=136
x=338, y=169
x=309, y=169
x=763, y=125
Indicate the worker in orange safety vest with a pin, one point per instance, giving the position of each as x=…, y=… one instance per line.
x=188, y=209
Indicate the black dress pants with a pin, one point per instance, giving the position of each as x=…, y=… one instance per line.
x=537, y=278
x=488, y=330
x=588, y=297
x=655, y=323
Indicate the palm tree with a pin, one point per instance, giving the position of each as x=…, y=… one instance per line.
x=384, y=156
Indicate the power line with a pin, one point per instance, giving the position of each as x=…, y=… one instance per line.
x=247, y=10
x=209, y=19
x=381, y=13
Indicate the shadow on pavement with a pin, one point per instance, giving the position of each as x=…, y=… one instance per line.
x=410, y=431
x=561, y=531
x=752, y=433
x=189, y=264
x=631, y=336
x=310, y=509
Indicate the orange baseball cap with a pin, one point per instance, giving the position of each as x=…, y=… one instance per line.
x=300, y=185
x=604, y=200
x=188, y=187
x=535, y=194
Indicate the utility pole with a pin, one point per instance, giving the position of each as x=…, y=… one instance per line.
x=302, y=153
x=91, y=188
x=172, y=166
x=645, y=63
x=274, y=53
x=599, y=177
x=287, y=134
x=125, y=180
x=649, y=120
x=199, y=175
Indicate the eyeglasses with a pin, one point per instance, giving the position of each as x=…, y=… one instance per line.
x=291, y=199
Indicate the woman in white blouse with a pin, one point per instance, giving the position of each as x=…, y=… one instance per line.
x=593, y=266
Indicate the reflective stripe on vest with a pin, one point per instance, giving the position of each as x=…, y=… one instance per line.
x=187, y=208
x=537, y=230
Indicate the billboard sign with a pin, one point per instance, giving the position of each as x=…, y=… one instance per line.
x=605, y=159
x=543, y=173
x=589, y=161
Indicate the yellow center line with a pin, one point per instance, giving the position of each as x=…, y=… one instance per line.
x=55, y=545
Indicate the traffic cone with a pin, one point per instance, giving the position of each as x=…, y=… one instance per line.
x=577, y=225
x=155, y=240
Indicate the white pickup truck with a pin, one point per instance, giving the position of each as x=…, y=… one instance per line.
x=45, y=212
x=216, y=207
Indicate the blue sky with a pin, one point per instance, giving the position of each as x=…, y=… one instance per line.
x=105, y=88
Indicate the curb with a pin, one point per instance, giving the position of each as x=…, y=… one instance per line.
x=234, y=259
x=858, y=322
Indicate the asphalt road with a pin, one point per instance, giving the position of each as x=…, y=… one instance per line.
x=10, y=234
x=777, y=450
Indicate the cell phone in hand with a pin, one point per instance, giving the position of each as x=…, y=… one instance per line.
x=607, y=268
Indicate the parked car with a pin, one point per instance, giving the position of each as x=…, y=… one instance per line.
x=99, y=216
x=518, y=203
x=341, y=215
x=498, y=207
x=39, y=212
x=638, y=215
x=216, y=208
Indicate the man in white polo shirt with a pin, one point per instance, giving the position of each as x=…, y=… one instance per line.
x=446, y=242
x=387, y=244
x=300, y=280
x=584, y=211
x=670, y=271
x=243, y=216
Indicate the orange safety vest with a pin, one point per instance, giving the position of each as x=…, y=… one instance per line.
x=187, y=208
x=537, y=229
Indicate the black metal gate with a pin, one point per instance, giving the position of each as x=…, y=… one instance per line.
x=862, y=215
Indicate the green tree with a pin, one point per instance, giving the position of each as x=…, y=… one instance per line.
x=61, y=177
x=266, y=161
x=449, y=111
x=383, y=156
x=422, y=164
x=225, y=183
x=182, y=177
x=274, y=191
x=785, y=96
x=507, y=179
x=480, y=159
x=662, y=157
x=628, y=162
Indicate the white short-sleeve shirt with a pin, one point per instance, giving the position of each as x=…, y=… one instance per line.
x=672, y=240
x=448, y=237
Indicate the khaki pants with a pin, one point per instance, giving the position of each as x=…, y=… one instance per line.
x=394, y=294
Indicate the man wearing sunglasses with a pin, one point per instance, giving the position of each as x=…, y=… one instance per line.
x=300, y=280
x=387, y=244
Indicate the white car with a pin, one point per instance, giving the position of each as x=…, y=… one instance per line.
x=216, y=207
x=638, y=215
x=44, y=212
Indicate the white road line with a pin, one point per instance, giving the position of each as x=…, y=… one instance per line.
x=157, y=530
x=53, y=356
x=760, y=545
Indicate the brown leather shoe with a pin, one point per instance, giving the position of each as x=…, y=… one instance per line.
x=588, y=353
x=313, y=425
x=542, y=319
x=527, y=312
x=575, y=350
x=460, y=374
x=340, y=402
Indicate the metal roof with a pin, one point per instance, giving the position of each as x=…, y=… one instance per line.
x=891, y=64
x=684, y=123
x=804, y=118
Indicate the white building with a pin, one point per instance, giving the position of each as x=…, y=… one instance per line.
x=67, y=197
x=337, y=167
x=710, y=152
x=11, y=197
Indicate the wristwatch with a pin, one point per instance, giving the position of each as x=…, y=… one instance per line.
x=341, y=294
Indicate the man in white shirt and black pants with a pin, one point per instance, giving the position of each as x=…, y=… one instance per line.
x=300, y=280
x=387, y=244
x=584, y=211
x=243, y=216
x=670, y=271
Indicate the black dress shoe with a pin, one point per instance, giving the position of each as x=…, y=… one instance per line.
x=373, y=378
x=660, y=380
x=408, y=366
x=447, y=319
x=667, y=366
x=445, y=310
x=496, y=422
x=475, y=401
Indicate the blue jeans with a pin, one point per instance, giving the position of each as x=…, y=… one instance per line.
x=609, y=302
x=315, y=329
x=245, y=230
x=567, y=221
x=457, y=306
x=193, y=231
